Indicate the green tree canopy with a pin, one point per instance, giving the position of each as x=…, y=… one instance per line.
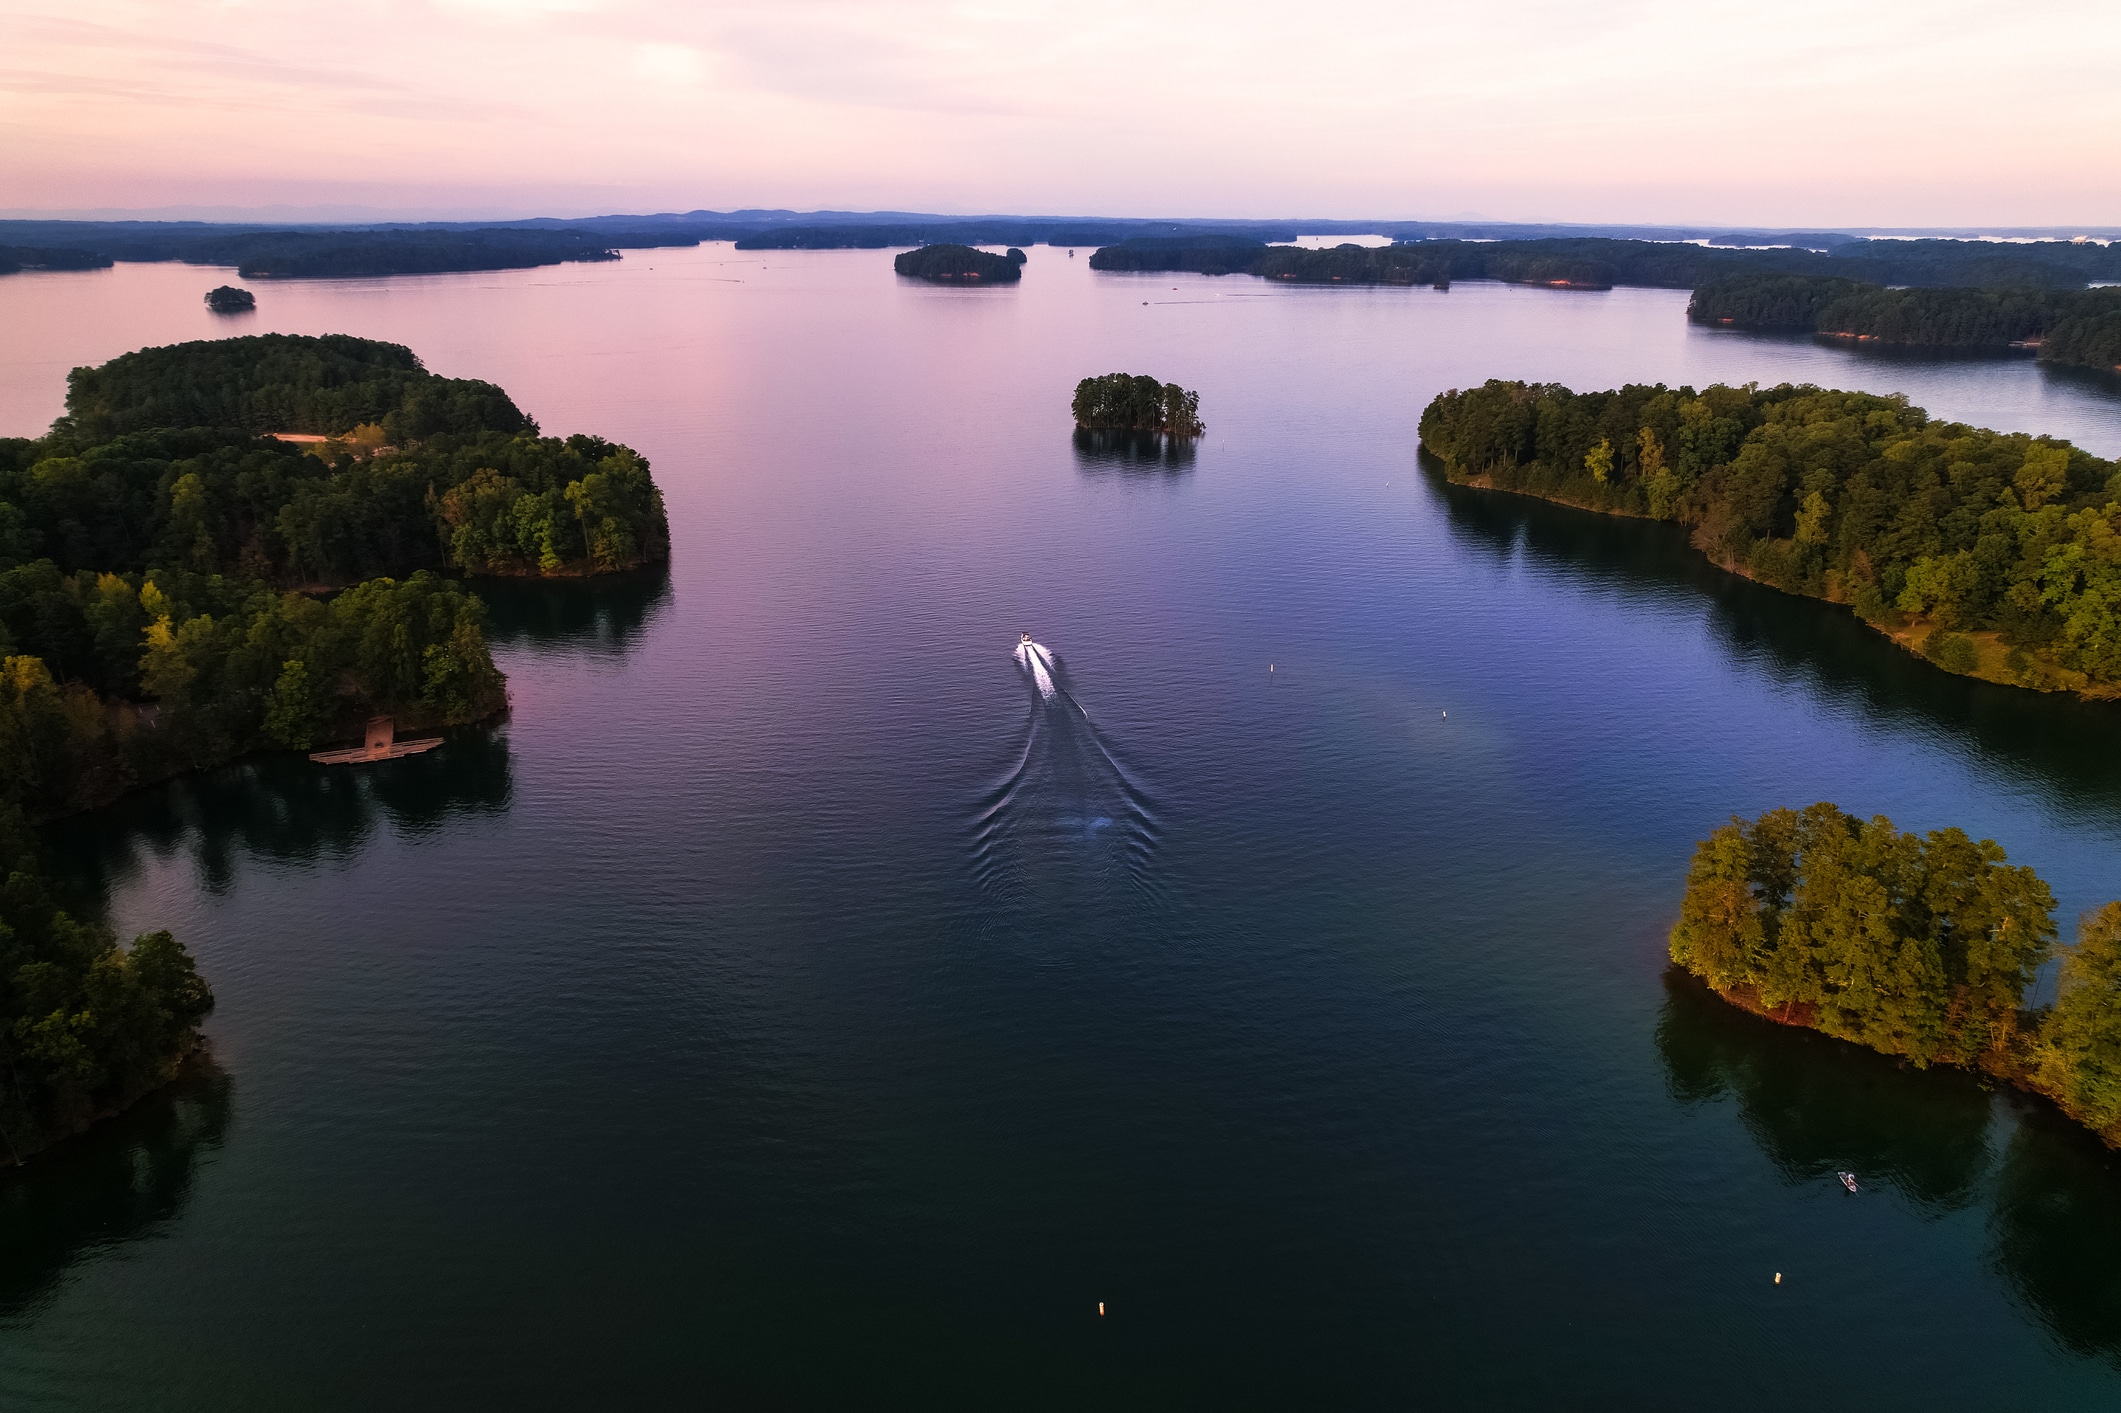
x=1846, y=496
x=1132, y=403
x=957, y=264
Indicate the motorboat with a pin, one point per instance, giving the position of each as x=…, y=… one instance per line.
x=1027, y=641
x=1848, y=1180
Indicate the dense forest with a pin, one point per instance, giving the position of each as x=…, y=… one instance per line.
x=29, y=257
x=1597, y=262
x=321, y=254
x=1920, y=947
x=167, y=601
x=260, y=253
x=1197, y=254
x=954, y=264
x=1122, y=402
x=2090, y=341
x=1997, y=555
x=2070, y=326
x=159, y=462
x=281, y=383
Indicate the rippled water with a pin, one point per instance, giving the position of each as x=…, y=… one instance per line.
x=795, y=1005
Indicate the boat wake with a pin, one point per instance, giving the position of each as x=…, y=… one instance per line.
x=1068, y=819
x=1035, y=659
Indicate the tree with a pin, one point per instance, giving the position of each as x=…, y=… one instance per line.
x=2080, y=1046
x=1916, y=946
x=1132, y=403
x=295, y=713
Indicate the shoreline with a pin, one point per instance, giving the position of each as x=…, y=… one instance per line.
x=194, y=1059
x=415, y=723
x=2019, y=1071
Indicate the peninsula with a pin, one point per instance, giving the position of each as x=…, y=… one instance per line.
x=1919, y=947
x=2080, y=327
x=1993, y=554
x=1601, y=262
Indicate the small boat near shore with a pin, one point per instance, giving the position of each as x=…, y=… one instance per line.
x=1848, y=1180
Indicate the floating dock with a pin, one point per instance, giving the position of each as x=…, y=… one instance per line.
x=379, y=742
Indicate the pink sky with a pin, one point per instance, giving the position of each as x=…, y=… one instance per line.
x=1782, y=112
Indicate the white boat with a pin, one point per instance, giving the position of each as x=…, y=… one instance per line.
x=1848, y=1180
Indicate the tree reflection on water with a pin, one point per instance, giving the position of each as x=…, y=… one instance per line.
x=1816, y=1105
x=120, y=1181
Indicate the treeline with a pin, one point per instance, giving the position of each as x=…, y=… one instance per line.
x=857, y=234
x=959, y=263
x=311, y=253
x=1197, y=254
x=1998, y=553
x=1921, y=947
x=2090, y=341
x=327, y=254
x=1594, y=262
x=1572, y=262
x=1122, y=402
x=30, y=257
x=116, y=680
x=265, y=383
x=2071, y=326
x=1438, y=263
x=157, y=464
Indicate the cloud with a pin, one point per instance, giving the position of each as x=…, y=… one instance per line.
x=1809, y=110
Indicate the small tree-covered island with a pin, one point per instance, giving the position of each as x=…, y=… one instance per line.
x=230, y=546
x=1126, y=402
x=228, y=299
x=959, y=264
x=1921, y=947
x=1996, y=555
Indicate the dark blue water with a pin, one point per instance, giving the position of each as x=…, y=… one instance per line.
x=793, y=1005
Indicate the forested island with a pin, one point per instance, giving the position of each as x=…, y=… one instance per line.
x=1123, y=402
x=1996, y=555
x=1597, y=262
x=2081, y=327
x=1919, y=947
x=958, y=264
x=179, y=587
x=2034, y=297
x=227, y=299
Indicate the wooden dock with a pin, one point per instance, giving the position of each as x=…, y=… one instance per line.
x=379, y=742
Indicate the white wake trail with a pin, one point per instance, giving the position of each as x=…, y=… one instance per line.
x=1035, y=657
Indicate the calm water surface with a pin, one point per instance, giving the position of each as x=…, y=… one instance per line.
x=794, y=1005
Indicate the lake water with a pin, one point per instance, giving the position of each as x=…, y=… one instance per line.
x=793, y=1006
